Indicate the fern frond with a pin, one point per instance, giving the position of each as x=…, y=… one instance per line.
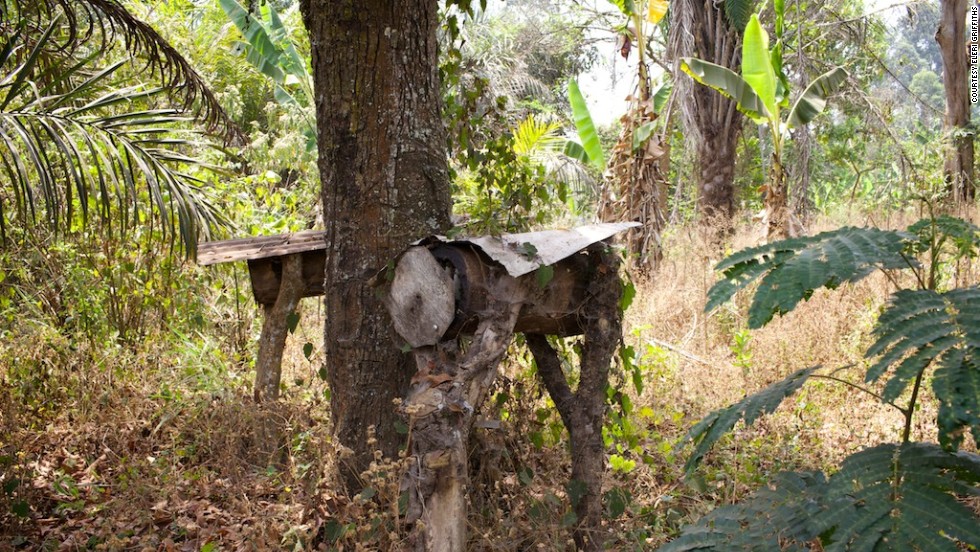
x=776, y=517
x=962, y=234
x=919, y=327
x=738, y=12
x=791, y=270
x=715, y=425
x=889, y=497
x=901, y=497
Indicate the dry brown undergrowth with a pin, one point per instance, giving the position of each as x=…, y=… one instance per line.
x=125, y=451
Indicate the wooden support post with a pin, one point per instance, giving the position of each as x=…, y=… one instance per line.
x=583, y=411
x=268, y=365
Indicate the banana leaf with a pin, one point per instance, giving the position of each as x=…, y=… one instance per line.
x=730, y=84
x=814, y=99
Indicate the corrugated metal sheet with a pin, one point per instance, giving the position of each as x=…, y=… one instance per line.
x=519, y=253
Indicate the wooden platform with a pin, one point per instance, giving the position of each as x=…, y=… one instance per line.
x=264, y=255
x=262, y=247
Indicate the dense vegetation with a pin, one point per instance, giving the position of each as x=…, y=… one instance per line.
x=126, y=370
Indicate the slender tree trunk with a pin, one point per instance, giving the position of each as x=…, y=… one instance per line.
x=951, y=36
x=384, y=178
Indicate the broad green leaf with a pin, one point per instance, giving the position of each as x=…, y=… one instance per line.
x=814, y=99
x=586, y=129
x=757, y=67
x=642, y=133
x=727, y=82
x=625, y=6
x=661, y=95
x=262, y=51
x=575, y=150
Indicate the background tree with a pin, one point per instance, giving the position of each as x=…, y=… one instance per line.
x=384, y=181
x=951, y=36
x=711, y=31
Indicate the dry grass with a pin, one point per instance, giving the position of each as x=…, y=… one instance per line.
x=153, y=448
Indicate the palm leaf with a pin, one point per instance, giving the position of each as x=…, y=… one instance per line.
x=814, y=99
x=738, y=12
x=97, y=25
x=61, y=149
x=730, y=84
x=791, y=270
x=714, y=426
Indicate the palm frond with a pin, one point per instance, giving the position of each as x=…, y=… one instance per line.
x=99, y=24
x=88, y=143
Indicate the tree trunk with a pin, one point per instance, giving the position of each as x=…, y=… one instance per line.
x=951, y=36
x=716, y=152
x=384, y=184
x=268, y=365
x=701, y=29
x=583, y=411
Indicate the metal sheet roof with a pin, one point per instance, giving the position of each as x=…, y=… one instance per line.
x=524, y=253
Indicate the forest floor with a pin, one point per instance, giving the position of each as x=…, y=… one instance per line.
x=152, y=446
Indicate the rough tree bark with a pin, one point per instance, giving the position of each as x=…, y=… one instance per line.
x=584, y=410
x=384, y=181
x=701, y=29
x=951, y=36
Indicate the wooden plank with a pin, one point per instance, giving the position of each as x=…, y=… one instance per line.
x=262, y=247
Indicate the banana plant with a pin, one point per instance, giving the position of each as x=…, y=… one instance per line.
x=270, y=50
x=762, y=93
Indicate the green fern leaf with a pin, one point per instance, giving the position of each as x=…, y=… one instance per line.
x=900, y=497
x=957, y=385
x=715, y=425
x=920, y=327
x=964, y=235
x=792, y=269
x=776, y=517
